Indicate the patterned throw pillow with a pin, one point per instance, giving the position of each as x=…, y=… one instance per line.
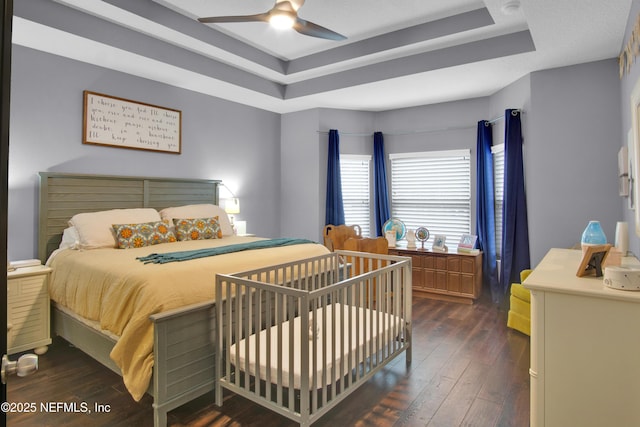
x=144, y=234
x=197, y=228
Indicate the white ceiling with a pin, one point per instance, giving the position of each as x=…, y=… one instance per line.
x=356, y=19
x=398, y=53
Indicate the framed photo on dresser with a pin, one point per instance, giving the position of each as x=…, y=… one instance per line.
x=439, y=243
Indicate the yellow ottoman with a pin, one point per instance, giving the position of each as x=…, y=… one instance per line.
x=519, y=316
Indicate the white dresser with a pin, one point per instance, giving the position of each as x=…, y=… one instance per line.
x=585, y=347
x=28, y=309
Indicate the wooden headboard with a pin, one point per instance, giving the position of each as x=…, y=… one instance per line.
x=63, y=195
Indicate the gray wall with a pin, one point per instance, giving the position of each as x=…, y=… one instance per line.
x=220, y=140
x=571, y=136
x=571, y=133
x=302, y=188
x=570, y=130
x=276, y=164
x=572, y=142
x=304, y=163
x=447, y=126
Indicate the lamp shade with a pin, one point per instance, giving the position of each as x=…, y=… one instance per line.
x=232, y=206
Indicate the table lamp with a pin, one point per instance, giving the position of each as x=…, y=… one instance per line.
x=232, y=207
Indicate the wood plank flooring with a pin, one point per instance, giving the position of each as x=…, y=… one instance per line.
x=468, y=369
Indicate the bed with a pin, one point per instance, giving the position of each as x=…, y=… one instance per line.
x=169, y=350
x=300, y=337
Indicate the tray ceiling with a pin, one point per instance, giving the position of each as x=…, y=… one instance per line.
x=398, y=53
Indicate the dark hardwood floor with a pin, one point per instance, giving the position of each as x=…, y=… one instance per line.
x=468, y=369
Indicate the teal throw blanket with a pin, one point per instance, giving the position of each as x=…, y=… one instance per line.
x=201, y=253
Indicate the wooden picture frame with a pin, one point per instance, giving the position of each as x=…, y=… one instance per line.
x=119, y=122
x=593, y=258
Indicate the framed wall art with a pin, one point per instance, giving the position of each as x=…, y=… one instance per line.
x=119, y=122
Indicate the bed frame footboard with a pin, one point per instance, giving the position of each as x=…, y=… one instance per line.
x=183, y=357
x=301, y=337
x=183, y=353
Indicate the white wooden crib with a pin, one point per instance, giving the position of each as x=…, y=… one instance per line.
x=300, y=337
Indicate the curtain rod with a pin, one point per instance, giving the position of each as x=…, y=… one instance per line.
x=497, y=119
x=411, y=132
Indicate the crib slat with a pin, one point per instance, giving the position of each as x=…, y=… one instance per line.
x=245, y=315
x=351, y=340
x=313, y=355
x=268, y=341
x=291, y=348
x=228, y=327
x=279, y=323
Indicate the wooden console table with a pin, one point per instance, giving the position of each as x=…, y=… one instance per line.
x=449, y=276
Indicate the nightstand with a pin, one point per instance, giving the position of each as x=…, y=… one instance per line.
x=28, y=324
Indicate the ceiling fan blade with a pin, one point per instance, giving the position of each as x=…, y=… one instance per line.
x=314, y=30
x=260, y=17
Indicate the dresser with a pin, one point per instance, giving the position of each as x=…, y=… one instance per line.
x=449, y=276
x=585, y=347
x=28, y=324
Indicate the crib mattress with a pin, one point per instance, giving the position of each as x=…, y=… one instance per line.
x=361, y=331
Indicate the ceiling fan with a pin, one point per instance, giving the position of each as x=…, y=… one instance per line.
x=284, y=14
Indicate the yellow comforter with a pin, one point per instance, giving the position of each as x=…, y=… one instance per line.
x=113, y=288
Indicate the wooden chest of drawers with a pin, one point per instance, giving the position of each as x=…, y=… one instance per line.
x=449, y=276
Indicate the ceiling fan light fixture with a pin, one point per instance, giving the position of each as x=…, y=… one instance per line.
x=282, y=20
x=283, y=15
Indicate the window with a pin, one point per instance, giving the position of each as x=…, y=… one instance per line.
x=498, y=189
x=356, y=191
x=433, y=189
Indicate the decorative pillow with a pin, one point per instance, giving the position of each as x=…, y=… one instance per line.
x=145, y=234
x=95, y=229
x=198, y=228
x=199, y=211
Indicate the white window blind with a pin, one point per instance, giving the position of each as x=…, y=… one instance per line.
x=356, y=190
x=498, y=182
x=433, y=189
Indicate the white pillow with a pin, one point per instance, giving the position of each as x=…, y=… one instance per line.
x=95, y=229
x=70, y=239
x=199, y=211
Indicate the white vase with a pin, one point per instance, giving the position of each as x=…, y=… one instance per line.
x=411, y=239
x=622, y=237
x=391, y=238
